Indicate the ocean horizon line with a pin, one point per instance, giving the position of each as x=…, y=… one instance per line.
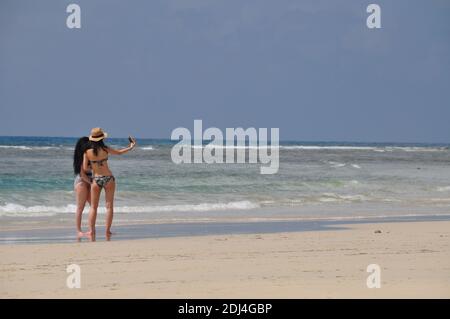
x=285, y=141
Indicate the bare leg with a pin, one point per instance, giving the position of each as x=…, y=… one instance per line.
x=88, y=199
x=109, y=197
x=95, y=197
x=82, y=194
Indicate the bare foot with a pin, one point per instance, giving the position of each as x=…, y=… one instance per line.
x=108, y=235
x=80, y=234
x=90, y=235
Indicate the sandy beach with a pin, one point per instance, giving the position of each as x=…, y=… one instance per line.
x=414, y=258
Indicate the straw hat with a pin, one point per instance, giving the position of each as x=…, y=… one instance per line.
x=97, y=134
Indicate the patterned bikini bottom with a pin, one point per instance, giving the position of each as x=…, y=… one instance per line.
x=102, y=181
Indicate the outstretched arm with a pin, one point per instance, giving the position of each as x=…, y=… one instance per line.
x=123, y=150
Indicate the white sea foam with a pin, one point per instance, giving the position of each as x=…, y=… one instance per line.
x=286, y=147
x=443, y=189
x=315, y=147
x=415, y=149
x=12, y=210
x=20, y=147
x=236, y=147
x=381, y=149
x=28, y=148
x=332, y=197
x=336, y=164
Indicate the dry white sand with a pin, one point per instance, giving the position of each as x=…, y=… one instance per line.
x=414, y=258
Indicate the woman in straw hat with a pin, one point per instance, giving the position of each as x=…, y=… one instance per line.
x=96, y=156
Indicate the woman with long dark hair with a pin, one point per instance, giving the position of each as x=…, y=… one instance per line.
x=82, y=183
x=96, y=156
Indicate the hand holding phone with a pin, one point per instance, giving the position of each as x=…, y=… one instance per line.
x=132, y=141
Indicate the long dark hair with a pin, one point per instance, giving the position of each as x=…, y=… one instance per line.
x=95, y=146
x=80, y=148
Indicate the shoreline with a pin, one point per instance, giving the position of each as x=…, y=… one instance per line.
x=134, y=231
x=414, y=258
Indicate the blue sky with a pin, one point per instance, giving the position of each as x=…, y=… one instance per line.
x=311, y=68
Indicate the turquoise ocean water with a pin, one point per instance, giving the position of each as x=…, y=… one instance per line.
x=315, y=180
